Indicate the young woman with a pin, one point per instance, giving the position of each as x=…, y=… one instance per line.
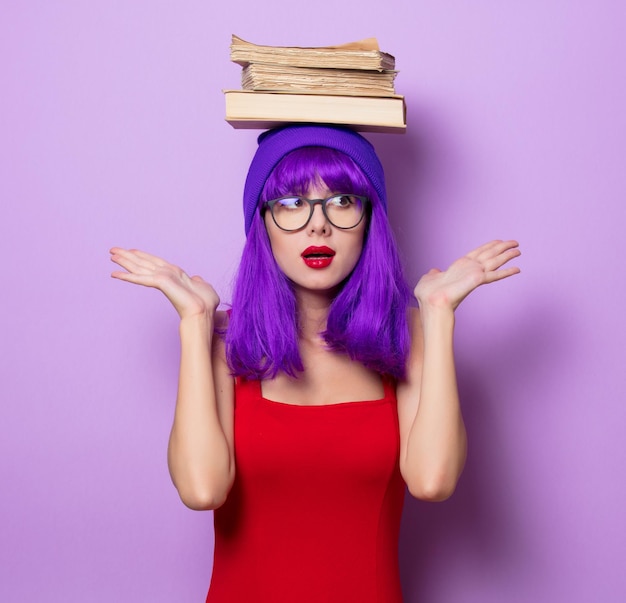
x=304, y=411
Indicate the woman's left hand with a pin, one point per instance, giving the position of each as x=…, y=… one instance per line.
x=479, y=267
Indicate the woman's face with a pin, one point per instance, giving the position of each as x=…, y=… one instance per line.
x=319, y=256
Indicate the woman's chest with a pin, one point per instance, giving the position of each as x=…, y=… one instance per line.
x=351, y=443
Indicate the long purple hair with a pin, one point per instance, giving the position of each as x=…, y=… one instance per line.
x=368, y=317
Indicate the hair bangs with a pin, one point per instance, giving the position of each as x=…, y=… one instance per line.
x=300, y=170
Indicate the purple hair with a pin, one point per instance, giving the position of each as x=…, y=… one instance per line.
x=368, y=317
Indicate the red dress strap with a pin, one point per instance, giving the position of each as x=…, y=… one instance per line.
x=246, y=390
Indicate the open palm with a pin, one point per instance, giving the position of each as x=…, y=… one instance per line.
x=190, y=295
x=481, y=266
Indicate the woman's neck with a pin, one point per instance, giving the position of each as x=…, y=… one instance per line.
x=313, y=308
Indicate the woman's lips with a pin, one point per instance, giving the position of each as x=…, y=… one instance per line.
x=318, y=257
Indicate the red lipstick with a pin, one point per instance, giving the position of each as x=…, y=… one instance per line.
x=318, y=257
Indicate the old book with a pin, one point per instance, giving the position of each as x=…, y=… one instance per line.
x=364, y=54
x=354, y=82
x=245, y=109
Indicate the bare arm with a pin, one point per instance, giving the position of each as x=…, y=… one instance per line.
x=433, y=438
x=201, y=446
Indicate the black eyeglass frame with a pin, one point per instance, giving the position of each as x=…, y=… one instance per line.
x=312, y=203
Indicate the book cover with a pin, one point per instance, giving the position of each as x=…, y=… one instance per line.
x=245, y=109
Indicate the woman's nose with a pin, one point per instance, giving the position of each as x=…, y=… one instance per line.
x=318, y=222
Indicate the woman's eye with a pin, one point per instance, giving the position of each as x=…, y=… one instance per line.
x=342, y=200
x=291, y=203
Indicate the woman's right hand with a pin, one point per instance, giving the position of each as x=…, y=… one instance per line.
x=190, y=295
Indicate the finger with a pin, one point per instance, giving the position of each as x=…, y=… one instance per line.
x=129, y=263
x=502, y=258
x=498, y=275
x=501, y=247
x=135, y=267
x=156, y=260
x=145, y=280
x=491, y=249
x=485, y=248
x=140, y=257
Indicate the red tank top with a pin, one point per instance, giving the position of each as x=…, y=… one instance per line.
x=314, y=513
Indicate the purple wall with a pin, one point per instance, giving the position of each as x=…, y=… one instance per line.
x=112, y=133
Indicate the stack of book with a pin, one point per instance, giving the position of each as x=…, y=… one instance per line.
x=352, y=85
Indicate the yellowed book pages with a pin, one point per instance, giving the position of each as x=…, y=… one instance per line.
x=364, y=54
x=355, y=82
x=246, y=109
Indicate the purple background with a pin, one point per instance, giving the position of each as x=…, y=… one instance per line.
x=112, y=133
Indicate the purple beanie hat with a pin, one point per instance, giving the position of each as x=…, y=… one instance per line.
x=275, y=144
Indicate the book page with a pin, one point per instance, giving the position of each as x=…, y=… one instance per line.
x=365, y=44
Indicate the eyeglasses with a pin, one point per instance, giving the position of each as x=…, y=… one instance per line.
x=341, y=210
